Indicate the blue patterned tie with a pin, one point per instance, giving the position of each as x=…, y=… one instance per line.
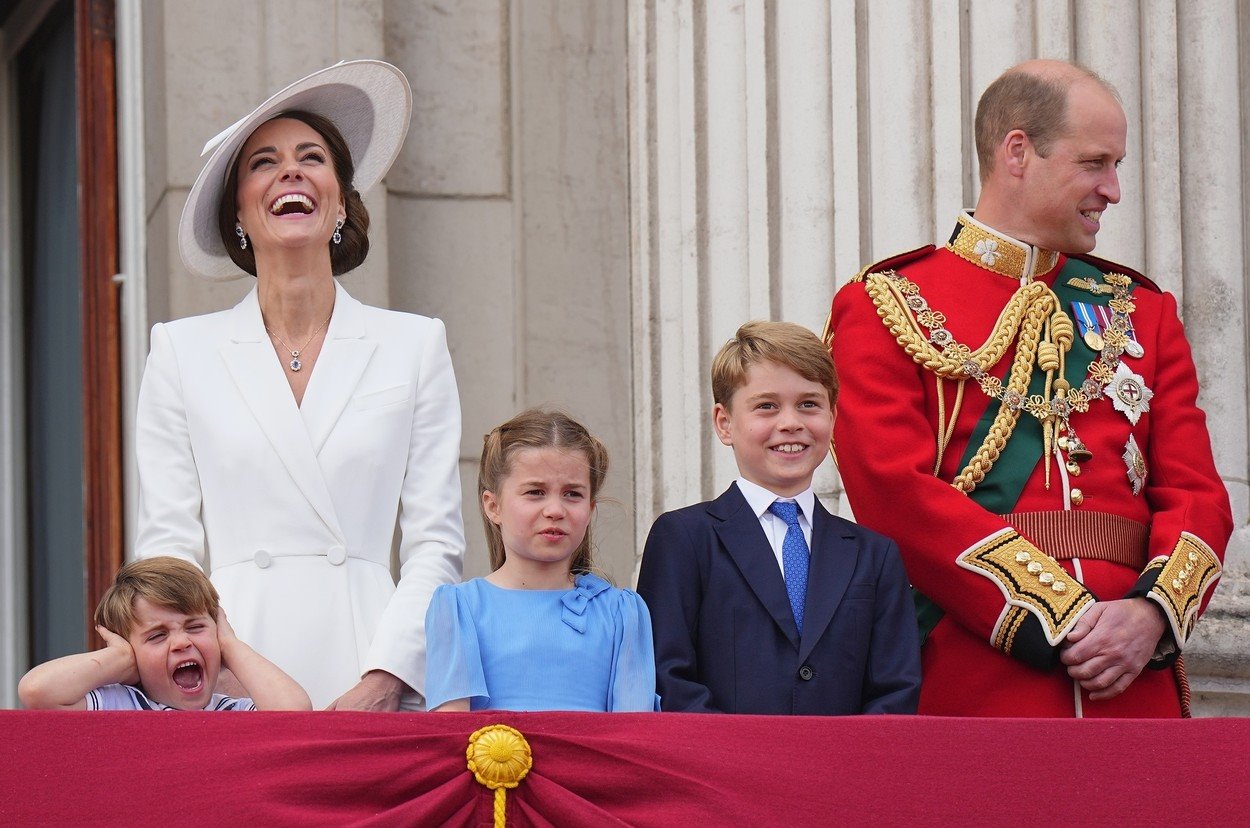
x=794, y=557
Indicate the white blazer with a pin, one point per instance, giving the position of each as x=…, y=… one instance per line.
x=296, y=511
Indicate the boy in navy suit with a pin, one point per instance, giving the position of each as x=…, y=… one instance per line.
x=761, y=601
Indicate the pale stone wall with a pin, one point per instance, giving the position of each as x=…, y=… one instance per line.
x=509, y=217
x=206, y=66
x=777, y=146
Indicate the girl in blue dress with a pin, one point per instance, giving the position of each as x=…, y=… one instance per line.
x=541, y=632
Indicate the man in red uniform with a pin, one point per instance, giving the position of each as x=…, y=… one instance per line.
x=1021, y=418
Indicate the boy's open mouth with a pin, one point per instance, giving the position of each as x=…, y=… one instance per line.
x=189, y=676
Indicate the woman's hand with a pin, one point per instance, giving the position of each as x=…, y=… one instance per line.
x=377, y=691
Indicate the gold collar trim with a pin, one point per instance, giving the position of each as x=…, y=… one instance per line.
x=991, y=250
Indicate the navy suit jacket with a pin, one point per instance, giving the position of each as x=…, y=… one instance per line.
x=725, y=638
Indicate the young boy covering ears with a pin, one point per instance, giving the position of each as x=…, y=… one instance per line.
x=166, y=640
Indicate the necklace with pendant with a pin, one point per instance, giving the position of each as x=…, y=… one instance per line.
x=295, y=364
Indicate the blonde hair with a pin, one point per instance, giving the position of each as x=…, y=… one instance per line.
x=784, y=343
x=166, y=582
x=1032, y=101
x=537, y=428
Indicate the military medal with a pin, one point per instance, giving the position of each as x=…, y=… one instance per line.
x=1131, y=346
x=1089, y=325
x=1136, y=462
x=1128, y=393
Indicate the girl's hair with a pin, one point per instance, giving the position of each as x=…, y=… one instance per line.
x=537, y=429
x=164, y=581
x=345, y=256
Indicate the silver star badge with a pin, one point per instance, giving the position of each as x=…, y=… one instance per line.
x=1128, y=393
x=1136, y=462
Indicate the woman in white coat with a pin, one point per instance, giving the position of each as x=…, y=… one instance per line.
x=294, y=445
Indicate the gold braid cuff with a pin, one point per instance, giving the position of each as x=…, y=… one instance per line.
x=1184, y=579
x=1031, y=582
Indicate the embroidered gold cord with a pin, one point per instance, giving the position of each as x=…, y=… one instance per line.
x=895, y=309
x=1017, y=385
x=1043, y=334
x=946, y=424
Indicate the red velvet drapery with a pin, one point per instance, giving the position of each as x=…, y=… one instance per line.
x=610, y=769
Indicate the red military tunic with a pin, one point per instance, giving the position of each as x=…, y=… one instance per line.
x=1006, y=602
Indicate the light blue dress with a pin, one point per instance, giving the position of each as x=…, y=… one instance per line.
x=585, y=648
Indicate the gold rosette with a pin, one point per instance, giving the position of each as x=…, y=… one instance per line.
x=499, y=758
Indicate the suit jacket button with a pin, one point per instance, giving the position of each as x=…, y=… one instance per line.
x=262, y=559
x=806, y=673
x=337, y=555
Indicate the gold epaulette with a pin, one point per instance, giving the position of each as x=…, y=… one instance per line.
x=888, y=263
x=893, y=262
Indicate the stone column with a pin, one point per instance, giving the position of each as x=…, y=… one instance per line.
x=1212, y=280
x=733, y=166
x=512, y=195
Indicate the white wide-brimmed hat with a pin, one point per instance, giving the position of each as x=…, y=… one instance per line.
x=368, y=100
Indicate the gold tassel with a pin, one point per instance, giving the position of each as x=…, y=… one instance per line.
x=1048, y=361
x=1062, y=335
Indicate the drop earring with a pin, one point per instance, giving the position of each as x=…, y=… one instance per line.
x=238, y=231
x=337, y=237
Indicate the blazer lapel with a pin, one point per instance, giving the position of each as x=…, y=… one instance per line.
x=834, y=556
x=742, y=536
x=250, y=359
x=338, y=370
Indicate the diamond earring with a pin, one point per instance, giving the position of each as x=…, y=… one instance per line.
x=337, y=237
x=238, y=231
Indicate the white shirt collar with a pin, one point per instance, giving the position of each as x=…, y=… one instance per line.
x=759, y=499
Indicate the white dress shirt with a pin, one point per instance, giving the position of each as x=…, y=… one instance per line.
x=759, y=499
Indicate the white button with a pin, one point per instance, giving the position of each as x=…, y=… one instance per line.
x=337, y=555
x=262, y=559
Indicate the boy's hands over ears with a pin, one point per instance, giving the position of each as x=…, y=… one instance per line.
x=226, y=638
x=119, y=651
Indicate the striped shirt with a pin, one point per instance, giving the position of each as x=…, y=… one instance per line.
x=126, y=697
